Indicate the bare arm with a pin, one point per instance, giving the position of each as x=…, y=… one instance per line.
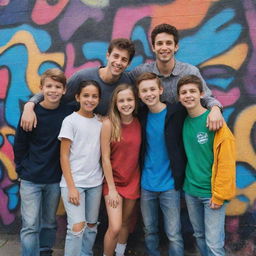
x=215, y=119
x=106, y=163
x=28, y=118
x=73, y=194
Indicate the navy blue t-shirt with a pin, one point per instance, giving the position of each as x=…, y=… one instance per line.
x=37, y=153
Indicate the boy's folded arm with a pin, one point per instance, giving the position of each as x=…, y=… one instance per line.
x=224, y=185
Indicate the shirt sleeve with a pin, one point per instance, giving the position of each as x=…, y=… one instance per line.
x=133, y=74
x=224, y=182
x=72, y=86
x=21, y=146
x=208, y=100
x=67, y=130
x=37, y=98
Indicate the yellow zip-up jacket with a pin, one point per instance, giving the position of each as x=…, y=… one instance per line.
x=223, y=181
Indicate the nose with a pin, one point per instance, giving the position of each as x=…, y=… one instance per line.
x=118, y=61
x=164, y=46
x=91, y=98
x=148, y=93
x=53, y=89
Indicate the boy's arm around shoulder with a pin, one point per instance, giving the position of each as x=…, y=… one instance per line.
x=224, y=168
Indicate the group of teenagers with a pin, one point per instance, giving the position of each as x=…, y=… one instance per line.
x=149, y=133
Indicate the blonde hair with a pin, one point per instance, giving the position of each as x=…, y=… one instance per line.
x=113, y=113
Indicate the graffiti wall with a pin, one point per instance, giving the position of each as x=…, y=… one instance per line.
x=218, y=36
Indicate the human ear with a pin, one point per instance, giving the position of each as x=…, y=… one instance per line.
x=201, y=95
x=161, y=89
x=176, y=48
x=77, y=97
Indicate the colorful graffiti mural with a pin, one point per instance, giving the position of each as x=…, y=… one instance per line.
x=218, y=36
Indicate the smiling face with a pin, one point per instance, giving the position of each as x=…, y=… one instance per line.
x=125, y=102
x=89, y=99
x=165, y=47
x=52, y=91
x=149, y=92
x=190, y=96
x=118, y=60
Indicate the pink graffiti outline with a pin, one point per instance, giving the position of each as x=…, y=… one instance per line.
x=4, y=74
x=126, y=18
x=70, y=69
x=44, y=13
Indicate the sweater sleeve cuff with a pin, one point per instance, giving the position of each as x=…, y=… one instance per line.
x=217, y=201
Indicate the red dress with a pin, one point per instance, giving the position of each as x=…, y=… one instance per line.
x=125, y=161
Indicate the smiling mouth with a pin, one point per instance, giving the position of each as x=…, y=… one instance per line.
x=53, y=96
x=165, y=53
x=126, y=108
x=117, y=69
x=189, y=101
x=150, y=99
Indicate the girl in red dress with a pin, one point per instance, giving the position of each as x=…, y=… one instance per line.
x=120, y=146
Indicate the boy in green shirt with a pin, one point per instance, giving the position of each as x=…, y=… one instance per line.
x=210, y=171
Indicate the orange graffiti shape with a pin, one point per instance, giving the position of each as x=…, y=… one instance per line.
x=183, y=14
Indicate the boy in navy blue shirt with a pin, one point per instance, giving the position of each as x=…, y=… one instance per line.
x=38, y=167
x=163, y=165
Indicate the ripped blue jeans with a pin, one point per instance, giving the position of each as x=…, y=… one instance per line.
x=81, y=243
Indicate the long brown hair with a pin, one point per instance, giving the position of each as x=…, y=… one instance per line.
x=114, y=115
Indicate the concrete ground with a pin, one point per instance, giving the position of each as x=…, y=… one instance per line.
x=10, y=246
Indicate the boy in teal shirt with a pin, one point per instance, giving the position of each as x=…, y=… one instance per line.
x=210, y=170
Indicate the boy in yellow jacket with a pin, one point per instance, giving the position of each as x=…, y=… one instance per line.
x=210, y=170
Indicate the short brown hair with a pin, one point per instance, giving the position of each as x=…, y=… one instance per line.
x=190, y=79
x=164, y=28
x=56, y=74
x=123, y=44
x=148, y=76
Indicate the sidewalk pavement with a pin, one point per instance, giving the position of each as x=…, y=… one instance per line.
x=10, y=246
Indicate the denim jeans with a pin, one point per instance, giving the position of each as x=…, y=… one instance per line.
x=208, y=225
x=81, y=243
x=39, y=203
x=169, y=202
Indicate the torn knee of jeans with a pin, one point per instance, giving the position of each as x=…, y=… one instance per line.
x=78, y=228
x=92, y=226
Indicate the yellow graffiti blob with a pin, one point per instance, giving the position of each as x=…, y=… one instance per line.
x=233, y=58
x=242, y=131
x=245, y=153
x=4, y=159
x=96, y=3
x=35, y=57
x=61, y=210
x=237, y=207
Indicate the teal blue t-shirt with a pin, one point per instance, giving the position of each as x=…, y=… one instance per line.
x=156, y=172
x=198, y=143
